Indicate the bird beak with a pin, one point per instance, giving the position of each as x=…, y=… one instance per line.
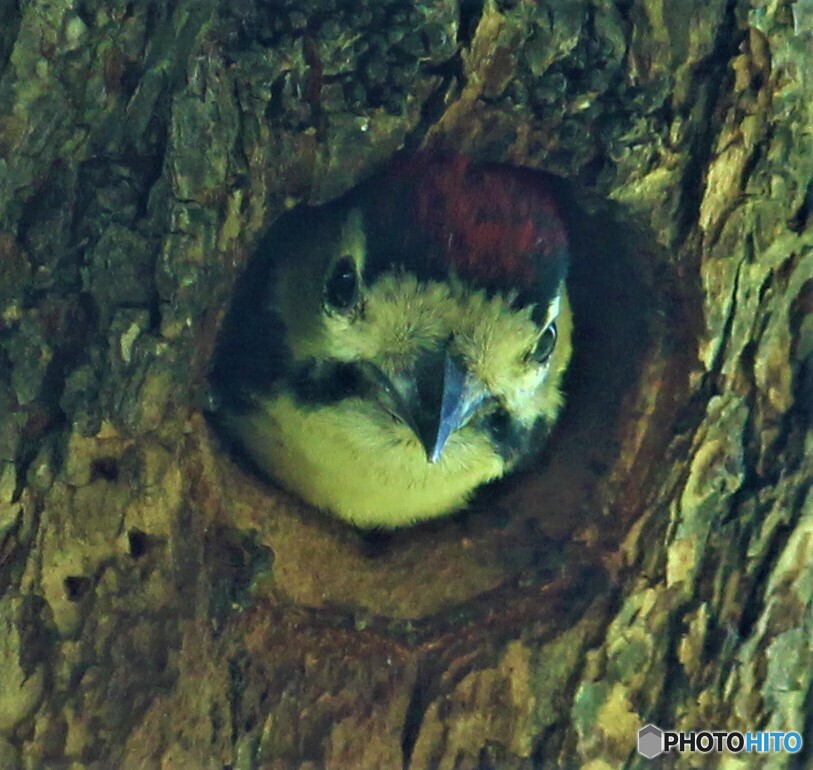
x=435, y=399
x=462, y=395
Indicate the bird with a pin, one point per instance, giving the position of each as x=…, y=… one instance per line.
x=389, y=353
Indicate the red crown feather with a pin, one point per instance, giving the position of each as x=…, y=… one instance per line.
x=497, y=225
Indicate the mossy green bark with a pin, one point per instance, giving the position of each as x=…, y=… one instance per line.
x=162, y=608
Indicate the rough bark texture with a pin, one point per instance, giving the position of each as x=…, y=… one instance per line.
x=162, y=608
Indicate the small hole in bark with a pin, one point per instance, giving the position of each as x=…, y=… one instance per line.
x=139, y=543
x=76, y=587
x=104, y=469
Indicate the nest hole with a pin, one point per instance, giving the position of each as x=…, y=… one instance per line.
x=575, y=501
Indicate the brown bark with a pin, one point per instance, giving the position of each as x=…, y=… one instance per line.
x=160, y=607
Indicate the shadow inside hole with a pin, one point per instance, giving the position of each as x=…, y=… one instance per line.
x=104, y=469
x=138, y=543
x=77, y=587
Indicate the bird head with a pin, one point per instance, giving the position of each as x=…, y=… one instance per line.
x=436, y=298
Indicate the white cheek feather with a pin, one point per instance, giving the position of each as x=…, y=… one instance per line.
x=553, y=309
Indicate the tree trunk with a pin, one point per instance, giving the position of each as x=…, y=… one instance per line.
x=163, y=608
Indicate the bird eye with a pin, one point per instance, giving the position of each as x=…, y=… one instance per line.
x=545, y=345
x=341, y=288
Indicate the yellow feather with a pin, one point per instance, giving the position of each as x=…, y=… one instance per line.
x=346, y=459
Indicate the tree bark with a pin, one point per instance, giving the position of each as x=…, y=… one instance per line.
x=160, y=607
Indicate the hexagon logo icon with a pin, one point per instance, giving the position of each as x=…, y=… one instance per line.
x=650, y=741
